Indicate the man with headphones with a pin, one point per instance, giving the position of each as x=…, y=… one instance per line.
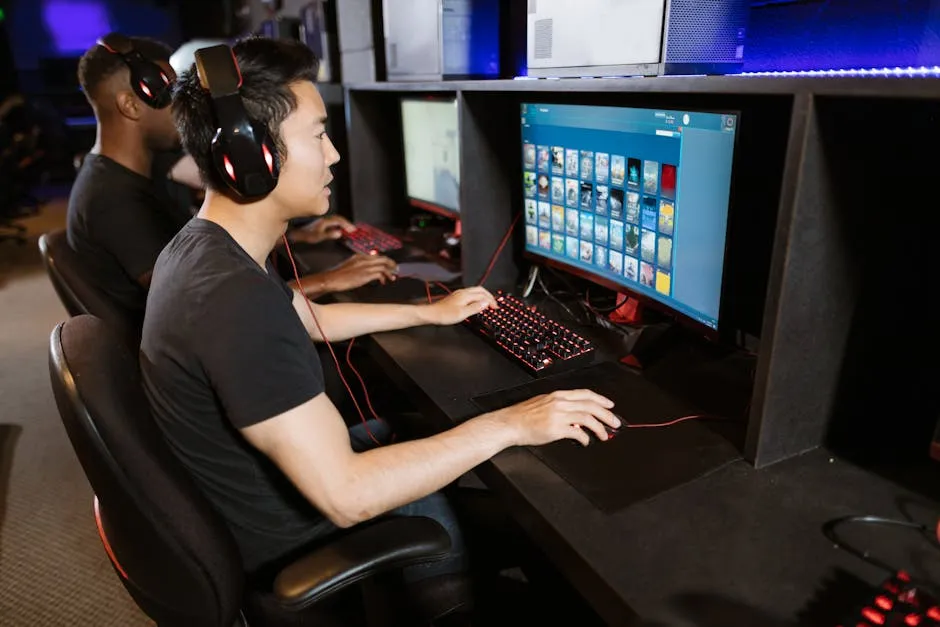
x=238, y=389
x=121, y=213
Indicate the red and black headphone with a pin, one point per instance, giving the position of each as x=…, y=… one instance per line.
x=242, y=150
x=148, y=80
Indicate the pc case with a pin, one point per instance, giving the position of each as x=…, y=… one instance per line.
x=318, y=31
x=430, y=40
x=635, y=37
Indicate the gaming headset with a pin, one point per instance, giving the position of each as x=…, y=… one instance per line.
x=149, y=82
x=242, y=150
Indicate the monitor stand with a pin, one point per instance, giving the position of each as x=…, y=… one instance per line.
x=649, y=340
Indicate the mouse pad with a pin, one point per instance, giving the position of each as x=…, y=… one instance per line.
x=637, y=463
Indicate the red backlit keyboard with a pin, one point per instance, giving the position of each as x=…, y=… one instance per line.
x=528, y=337
x=898, y=603
x=369, y=240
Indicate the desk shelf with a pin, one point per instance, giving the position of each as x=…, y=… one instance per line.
x=816, y=226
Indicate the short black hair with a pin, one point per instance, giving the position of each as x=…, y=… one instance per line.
x=98, y=65
x=268, y=68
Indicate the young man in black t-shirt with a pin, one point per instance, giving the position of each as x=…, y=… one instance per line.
x=233, y=377
x=121, y=210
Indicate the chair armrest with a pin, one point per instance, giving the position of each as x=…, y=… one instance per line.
x=390, y=544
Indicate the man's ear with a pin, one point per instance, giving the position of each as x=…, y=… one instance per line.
x=128, y=104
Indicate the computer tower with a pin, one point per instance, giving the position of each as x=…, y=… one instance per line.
x=318, y=31
x=635, y=37
x=428, y=40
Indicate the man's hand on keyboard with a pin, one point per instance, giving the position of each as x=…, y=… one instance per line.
x=359, y=270
x=459, y=306
x=565, y=414
x=324, y=229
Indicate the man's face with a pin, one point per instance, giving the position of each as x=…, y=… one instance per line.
x=158, y=125
x=303, y=184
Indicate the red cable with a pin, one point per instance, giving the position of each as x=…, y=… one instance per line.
x=499, y=249
x=667, y=424
x=362, y=383
x=339, y=370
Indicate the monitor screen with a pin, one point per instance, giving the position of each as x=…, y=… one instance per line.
x=632, y=198
x=432, y=163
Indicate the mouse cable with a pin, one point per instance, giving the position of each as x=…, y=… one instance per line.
x=499, y=250
x=339, y=369
x=830, y=530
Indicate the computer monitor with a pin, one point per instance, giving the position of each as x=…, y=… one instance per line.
x=633, y=199
x=432, y=154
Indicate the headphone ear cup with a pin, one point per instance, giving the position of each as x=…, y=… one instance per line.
x=224, y=164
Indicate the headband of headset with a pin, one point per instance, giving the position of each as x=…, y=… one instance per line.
x=242, y=150
x=148, y=80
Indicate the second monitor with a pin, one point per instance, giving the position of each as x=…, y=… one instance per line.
x=432, y=154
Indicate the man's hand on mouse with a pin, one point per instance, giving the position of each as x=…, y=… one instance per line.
x=564, y=414
x=324, y=229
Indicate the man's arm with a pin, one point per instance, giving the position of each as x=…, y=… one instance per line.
x=354, y=272
x=342, y=321
x=310, y=444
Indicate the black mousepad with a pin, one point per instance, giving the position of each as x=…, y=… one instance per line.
x=637, y=463
x=403, y=290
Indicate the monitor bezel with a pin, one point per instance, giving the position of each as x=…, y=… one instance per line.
x=644, y=299
x=421, y=203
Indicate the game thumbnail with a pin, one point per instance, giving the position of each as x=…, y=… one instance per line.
x=664, y=253
x=615, y=262
x=602, y=167
x=587, y=165
x=545, y=215
x=571, y=192
x=667, y=217
x=558, y=160
x=663, y=282
x=528, y=156
x=571, y=222
x=544, y=159
x=633, y=207
x=650, y=216
x=543, y=187
x=630, y=268
x=646, y=274
x=631, y=239
x=603, y=195
x=587, y=226
x=667, y=181
x=615, y=203
x=558, y=218
x=531, y=236
x=558, y=244
x=530, y=212
x=618, y=167
x=545, y=239
x=616, y=235
x=571, y=247
x=600, y=256
x=571, y=163
x=648, y=246
x=528, y=183
x=587, y=195
x=633, y=173
x=587, y=252
x=650, y=177
x=558, y=190
x=600, y=231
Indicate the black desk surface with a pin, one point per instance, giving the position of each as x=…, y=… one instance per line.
x=738, y=547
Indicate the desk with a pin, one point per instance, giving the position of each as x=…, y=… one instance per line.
x=737, y=548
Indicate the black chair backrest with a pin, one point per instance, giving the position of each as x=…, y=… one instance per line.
x=77, y=293
x=172, y=551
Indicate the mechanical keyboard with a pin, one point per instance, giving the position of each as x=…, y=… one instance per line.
x=898, y=603
x=369, y=240
x=535, y=342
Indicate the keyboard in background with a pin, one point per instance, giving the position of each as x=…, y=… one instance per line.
x=528, y=337
x=369, y=240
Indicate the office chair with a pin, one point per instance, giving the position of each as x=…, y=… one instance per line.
x=79, y=295
x=170, y=549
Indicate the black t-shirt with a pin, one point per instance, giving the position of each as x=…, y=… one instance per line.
x=223, y=349
x=118, y=222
